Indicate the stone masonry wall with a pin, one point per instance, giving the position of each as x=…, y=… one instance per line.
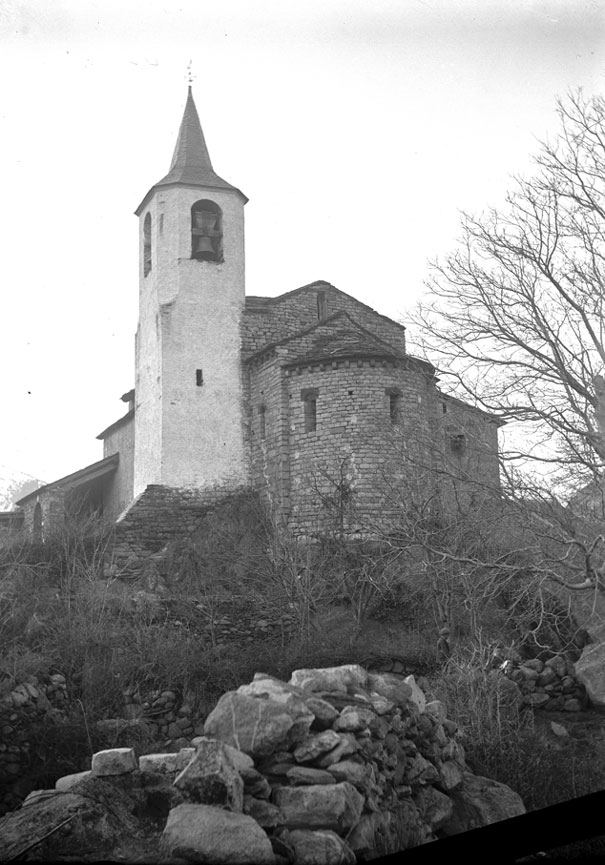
x=355, y=450
x=287, y=315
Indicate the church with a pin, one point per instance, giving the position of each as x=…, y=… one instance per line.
x=309, y=399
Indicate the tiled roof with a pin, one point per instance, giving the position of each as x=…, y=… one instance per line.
x=191, y=165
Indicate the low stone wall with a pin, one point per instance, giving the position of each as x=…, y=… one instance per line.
x=550, y=684
x=336, y=766
x=20, y=709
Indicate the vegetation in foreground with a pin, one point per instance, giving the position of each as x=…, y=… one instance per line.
x=59, y=615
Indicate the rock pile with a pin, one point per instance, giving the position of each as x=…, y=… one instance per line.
x=550, y=684
x=337, y=765
x=26, y=703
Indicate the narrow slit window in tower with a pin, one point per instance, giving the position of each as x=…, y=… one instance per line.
x=147, y=244
x=199, y=378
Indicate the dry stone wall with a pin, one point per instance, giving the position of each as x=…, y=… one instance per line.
x=336, y=766
x=25, y=705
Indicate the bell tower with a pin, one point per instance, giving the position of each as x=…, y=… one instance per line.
x=189, y=416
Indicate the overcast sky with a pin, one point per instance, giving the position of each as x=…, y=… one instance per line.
x=357, y=128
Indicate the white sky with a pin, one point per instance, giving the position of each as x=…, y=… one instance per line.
x=357, y=128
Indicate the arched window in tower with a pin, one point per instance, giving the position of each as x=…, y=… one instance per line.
x=147, y=244
x=206, y=231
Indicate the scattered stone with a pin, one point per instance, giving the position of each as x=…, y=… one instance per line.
x=349, y=677
x=435, y=808
x=559, y=729
x=213, y=835
x=329, y=806
x=316, y=745
x=416, y=696
x=211, y=778
x=450, y=776
x=391, y=687
x=558, y=665
x=573, y=705
x=115, y=761
x=534, y=664
x=320, y=847
x=299, y=775
x=353, y=720
x=325, y=714
x=356, y=774
x=437, y=709
x=347, y=745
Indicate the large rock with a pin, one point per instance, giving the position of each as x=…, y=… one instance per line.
x=590, y=672
x=259, y=725
x=211, y=778
x=320, y=847
x=201, y=833
x=479, y=802
x=326, y=806
x=349, y=678
x=69, y=825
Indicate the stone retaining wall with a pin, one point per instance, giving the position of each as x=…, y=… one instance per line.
x=156, y=517
x=20, y=708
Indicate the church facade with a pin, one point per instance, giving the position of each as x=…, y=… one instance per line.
x=309, y=398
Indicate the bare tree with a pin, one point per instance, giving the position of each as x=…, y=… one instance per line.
x=514, y=318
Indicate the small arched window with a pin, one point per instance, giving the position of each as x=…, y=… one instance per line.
x=322, y=305
x=395, y=404
x=147, y=244
x=206, y=231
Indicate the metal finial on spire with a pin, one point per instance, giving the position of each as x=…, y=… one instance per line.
x=190, y=75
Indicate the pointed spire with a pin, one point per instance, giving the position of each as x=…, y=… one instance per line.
x=191, y=165
x=191, y=160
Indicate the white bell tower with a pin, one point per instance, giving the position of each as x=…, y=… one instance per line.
x=189, y=416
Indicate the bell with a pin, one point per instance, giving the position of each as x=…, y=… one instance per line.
x=203, y=246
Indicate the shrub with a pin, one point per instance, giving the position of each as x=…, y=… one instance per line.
x=504, y=741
